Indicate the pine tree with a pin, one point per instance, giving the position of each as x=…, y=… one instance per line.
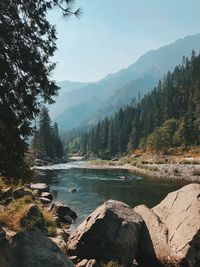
x=46, y=141
x=26, y=45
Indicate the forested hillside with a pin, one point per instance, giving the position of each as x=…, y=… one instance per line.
x=97, y=100
x=168, y=116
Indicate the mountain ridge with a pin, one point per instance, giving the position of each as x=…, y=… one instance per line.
x=121, y=87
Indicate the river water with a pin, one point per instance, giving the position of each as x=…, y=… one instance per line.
x=96, y=186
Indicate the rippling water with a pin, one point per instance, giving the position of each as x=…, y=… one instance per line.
x=96, y=186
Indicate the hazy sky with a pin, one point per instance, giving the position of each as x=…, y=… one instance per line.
x=112, y=34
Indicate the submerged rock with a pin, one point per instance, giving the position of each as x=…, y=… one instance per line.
x=111, y=232
x=73, y=190
x=171, y=233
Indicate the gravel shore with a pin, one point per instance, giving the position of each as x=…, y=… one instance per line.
x=174, y=171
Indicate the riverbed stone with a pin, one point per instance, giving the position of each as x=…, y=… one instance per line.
x=6, y=193
x=62, y=211
x=45, y=200
x=111, y=232
x=73, y=190
x=42, y=187
x=21, y=192
x=47, y=195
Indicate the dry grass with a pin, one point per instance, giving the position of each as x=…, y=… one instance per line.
x=12, y=217
x=5, y=183
x=14, y=212
x=50, y=223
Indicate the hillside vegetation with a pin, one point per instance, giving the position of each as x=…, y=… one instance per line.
x=83, y=105
x=167, y=117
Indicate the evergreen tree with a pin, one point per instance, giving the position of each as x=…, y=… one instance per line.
x=46, y=141
x=168, y=116
x=26, y=45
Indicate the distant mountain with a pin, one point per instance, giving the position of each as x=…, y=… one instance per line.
x=61, y=100
x=87, y=103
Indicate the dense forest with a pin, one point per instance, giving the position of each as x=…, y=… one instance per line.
x=168, y=116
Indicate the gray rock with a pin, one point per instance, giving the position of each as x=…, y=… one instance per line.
x=60, y=242
x=33, y=217
x=6, y=193
x=171, y=234
x=67, y=219
x=73, y=190
x=63, y=233
x=47, y=195
x=74, y=259
x=92, y=263
x=153, y=246
x=42, y=187
x=45, y=200
x=21, y=192
x=82, y=263
x=62, y=211
x=180, y=211
x=31, y=249
x=111, y=232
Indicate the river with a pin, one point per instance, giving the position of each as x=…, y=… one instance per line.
x=96, y=186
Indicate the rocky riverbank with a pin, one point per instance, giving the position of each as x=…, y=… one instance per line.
x=175, y=168
x=35, y=231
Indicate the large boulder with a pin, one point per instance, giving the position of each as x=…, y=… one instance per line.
x=153, y=243
x=31, y=249
x=60, y=242
x=177, y=219
x=111, y=232
x=180, y=211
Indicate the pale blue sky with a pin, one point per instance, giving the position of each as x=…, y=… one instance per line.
x=113, y=34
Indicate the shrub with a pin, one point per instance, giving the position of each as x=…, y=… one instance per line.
x=50, y=223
